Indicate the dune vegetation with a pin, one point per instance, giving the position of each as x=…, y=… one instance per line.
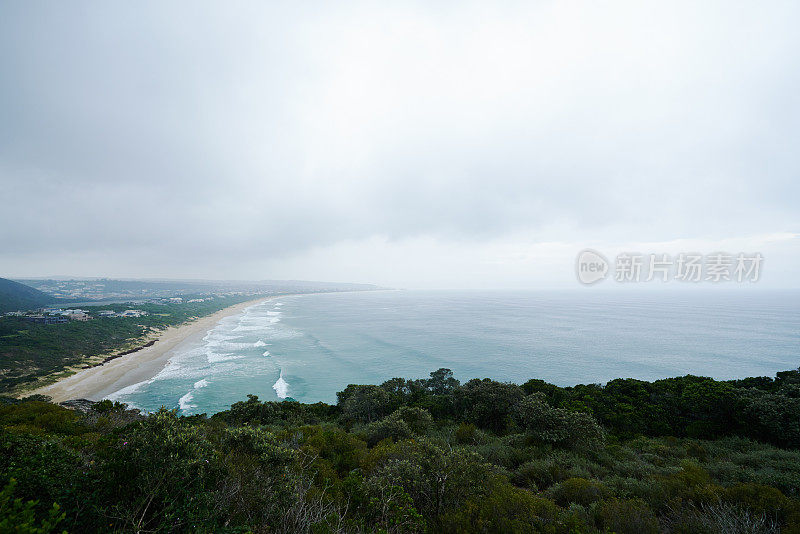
x=682, y=455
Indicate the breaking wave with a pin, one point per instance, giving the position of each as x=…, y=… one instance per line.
x=184, y=403
x=281, y=387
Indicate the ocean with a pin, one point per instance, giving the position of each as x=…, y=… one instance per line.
x=309, y=347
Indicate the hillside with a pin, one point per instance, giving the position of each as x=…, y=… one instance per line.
x=15, y=296
x=676, y=456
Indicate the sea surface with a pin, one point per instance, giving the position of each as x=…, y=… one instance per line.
x=309, y=347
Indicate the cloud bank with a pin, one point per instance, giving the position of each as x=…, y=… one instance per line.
x=395, y=144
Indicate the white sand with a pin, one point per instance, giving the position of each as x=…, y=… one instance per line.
x=98, y=382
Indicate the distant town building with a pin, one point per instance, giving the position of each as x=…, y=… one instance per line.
x=45, y=319
x=133, y=313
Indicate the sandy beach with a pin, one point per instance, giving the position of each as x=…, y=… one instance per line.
x=98, y=382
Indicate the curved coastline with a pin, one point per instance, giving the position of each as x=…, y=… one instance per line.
x=98, y=382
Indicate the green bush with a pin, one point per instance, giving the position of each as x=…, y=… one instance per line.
x=156, y=475
x=38, y=416
x=400, y=424
x=557, y=426
x=465, y=434
x=627, y=517
x=345, y=451
x=438, y=479
x=364, y=404
x=19, y=516
x=578, y=491
x=487, y=403
x=764, y=500
x=292, y=467
x=504, y=510
x=718, y=518
x=387, y=428
x=48, y=471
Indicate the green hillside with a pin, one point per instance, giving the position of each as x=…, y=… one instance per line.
x=15, y=296
x=683, y=455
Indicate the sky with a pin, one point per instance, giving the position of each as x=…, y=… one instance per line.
x=407, y=144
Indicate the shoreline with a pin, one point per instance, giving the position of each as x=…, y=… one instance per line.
x=96, y=383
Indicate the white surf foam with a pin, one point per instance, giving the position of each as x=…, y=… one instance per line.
x=216, y=357
x=281, y=387
x=245, y=328
x=184, y=403
x=229, y=345
x=201, y=384
x=133, y=388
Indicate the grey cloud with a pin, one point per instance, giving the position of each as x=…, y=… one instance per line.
x=182, y=130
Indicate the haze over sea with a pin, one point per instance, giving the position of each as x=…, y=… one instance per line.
x=309, y=347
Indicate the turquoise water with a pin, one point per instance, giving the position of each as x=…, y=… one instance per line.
x=312, y=346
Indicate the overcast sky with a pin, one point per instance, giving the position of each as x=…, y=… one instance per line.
x=430, y=144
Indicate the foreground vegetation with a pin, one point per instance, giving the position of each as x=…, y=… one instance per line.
x=683, y=455
x=30, y=351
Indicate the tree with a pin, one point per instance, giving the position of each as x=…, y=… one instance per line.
x=487, y=403
x=442, y=382
x=574, y=430
x=438, y=480
x=365, y=404
x=401, y=424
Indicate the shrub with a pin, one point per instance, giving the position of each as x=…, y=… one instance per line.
x=487, y=403
x=465, y=434
x=343, y=450
x=437, y=479
x=771, y=417
x=505, y=510
x=762, y=500
x=38, y=416
x=365, y=404
x=717, y=518
x=575, y=430
x=48, y=471
x=578, y=491
x=387, y=428
x=254, y=412
x=385, y=507
x=400, y=424
x=697, y=451
x=157, y=473
x=649, y=490
x=627, y=517
x=419, y=420
x=527, y=476
x=19, y=516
